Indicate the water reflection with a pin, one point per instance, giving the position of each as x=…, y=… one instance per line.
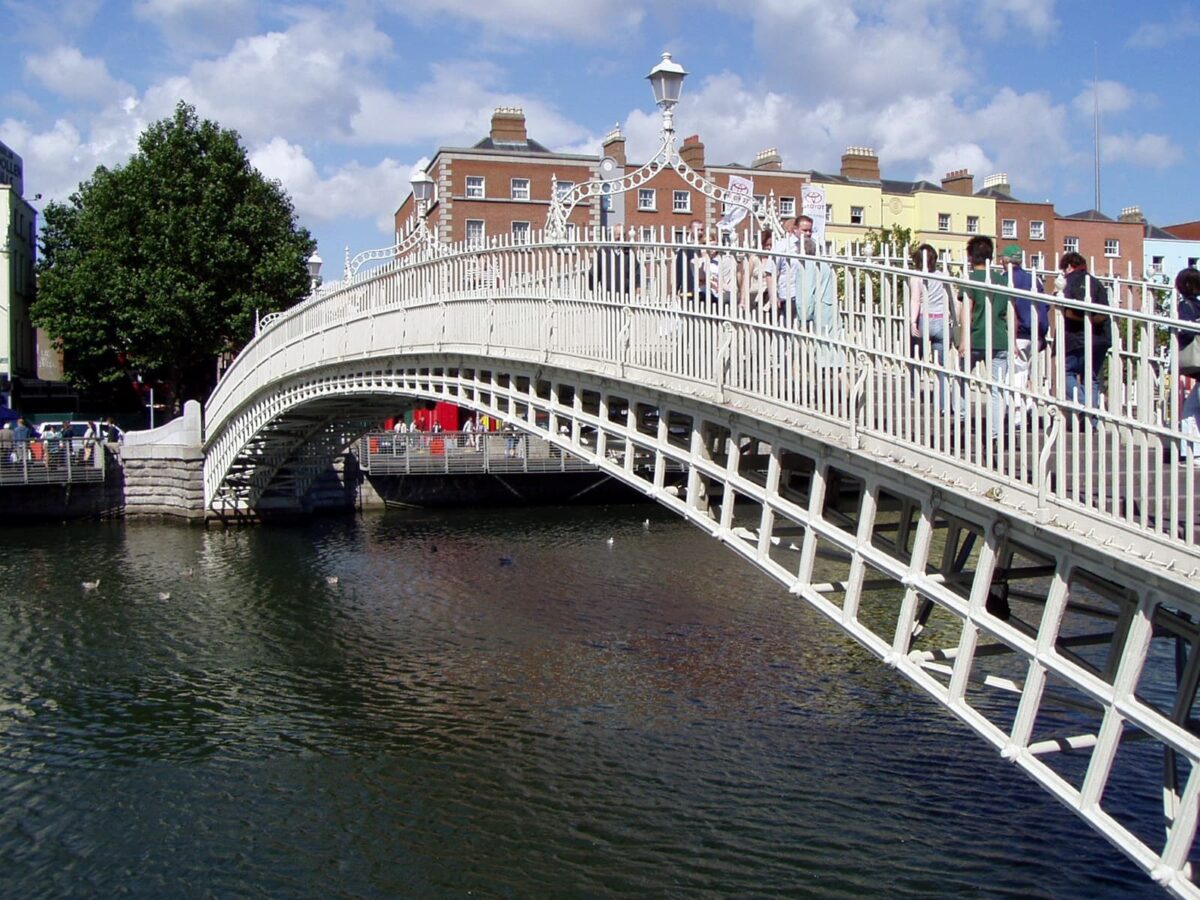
x=651, y=717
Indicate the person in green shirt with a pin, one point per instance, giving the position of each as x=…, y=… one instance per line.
x=987, y=313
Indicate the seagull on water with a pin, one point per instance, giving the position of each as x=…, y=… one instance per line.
x=646, y=525
x=164, y=595
x=609, y=542
x=90, y=585
x=331, y=579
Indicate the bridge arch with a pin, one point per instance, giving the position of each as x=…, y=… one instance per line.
x=1045, y=619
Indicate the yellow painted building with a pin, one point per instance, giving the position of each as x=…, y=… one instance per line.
x=859, y=200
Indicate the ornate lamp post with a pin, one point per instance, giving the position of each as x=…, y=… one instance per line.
x=314, y=271
x=666, y=80
x=422, y=188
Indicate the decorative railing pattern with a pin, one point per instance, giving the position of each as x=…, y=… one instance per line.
x=705, y=320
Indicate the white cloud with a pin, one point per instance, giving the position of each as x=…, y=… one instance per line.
x=48, y=22
x=582, y=20
x=1151, y=151
x=59, y=158
x=302, y=81
x=199, y=25
x=68, y=73
x=999, y=17
x=1151, y=35
x=353, y=191
x=453, y=108
x=866, y=52
x=1113, y=97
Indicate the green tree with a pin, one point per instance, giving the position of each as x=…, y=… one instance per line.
x=158, y=267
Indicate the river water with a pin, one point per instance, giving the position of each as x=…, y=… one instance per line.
x=493, y=703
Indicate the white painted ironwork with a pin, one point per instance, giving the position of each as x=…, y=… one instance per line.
x=666, y=157
x=1045, y=583
x=666, y=79
x=416, y=236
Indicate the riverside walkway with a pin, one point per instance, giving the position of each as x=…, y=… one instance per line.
x=1028, y=561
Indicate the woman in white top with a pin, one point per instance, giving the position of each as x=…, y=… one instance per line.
x=931, y=306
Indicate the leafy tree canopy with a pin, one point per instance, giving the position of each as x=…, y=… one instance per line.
x=158, y=267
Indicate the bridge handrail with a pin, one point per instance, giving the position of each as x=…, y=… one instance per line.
x=603, y=302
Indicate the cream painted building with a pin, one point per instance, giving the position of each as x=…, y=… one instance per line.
x=859, y=200
x=18, y=227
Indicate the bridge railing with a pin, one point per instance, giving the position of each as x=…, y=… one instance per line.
x=463, y=453
x=828, y=338
x=71, y=461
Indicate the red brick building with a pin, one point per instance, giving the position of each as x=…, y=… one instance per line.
x=501, y=185
x=1028, y=224
x=1108, y=245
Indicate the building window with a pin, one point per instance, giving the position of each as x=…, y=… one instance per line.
x=1112, y=247
x=1037, y=262
x=679, y=234
x=943, y=221
x=647, y=232
x=646, y=199
x=829, y=212
x=475, y=187
x=787, y=206
x=681, y=201
x=1070, y=245
x=856, y=215
x=475, y=232
x=520, y=232
x=1008, y=228
x=1156, y=265
x=972, y=224
x=564, y=188
x=1037, y=230
x=572, y=231
x=520, y=188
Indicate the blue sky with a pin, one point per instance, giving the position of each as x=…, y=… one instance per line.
x=339, y=101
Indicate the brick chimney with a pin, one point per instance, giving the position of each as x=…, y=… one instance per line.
x=1132, y=214
x=768, y=159
x=860, y=163
x=960, y=182
x=998, y=183
x=614, y=145
x=692, y=152
x=508, y=125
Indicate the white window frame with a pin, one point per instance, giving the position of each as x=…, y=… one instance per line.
x=521, y=235
x=972, y=224
x=681, y=207
x=1070, y=244
x=647, y=233
x=482, y=238
x=679, y=234
x=1037, y=229
x=787, y=206
x=1037, y=261
x=476, y=191
x=519, y=193
x=1112, y=247
x=649, y=194
x=858, y=215
x=828, y=213
x=943, y=221
x=1008, y=229
x=564, y=188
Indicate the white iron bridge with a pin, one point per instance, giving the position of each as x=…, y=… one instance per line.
x=1028, y=559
